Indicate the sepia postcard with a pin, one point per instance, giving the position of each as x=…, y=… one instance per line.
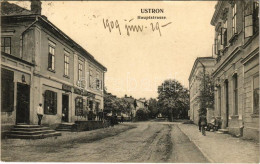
x=130, y=81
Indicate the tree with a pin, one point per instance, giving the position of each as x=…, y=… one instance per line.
x=206, y=96
x=152, y=107
x=173, y=99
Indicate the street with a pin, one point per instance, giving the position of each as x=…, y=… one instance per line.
x=130, y=142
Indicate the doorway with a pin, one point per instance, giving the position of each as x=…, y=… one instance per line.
x=65, y=108
x=227, y=103
x=23, y=103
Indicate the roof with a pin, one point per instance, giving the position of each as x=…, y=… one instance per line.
x=51, y=27
x=13, y=9
x=199, y=59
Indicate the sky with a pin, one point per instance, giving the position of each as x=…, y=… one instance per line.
x=137, y=62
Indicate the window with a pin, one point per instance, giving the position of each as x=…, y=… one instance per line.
x=251, y=13
x=6, y=45
x=7, y=90
x=66, y=64
x=97, y=107
x=78, y=106
x=219, y=100
x=90, y=77
x=90, y=105
x=224, y=34
x=80, y=68
x=234, y=19
x=235, y=94
x=50, y=102
x=256, y=94
x=51, y=60
x=255, y=16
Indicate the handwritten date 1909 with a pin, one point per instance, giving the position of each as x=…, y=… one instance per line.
x=111, y=25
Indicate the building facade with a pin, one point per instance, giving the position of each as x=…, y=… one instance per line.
x=44, y=65
x=201, y=64
x=237, y=66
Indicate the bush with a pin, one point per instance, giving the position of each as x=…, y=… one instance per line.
x=142, y=114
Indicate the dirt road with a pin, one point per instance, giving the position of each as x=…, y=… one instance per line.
x=147, y=142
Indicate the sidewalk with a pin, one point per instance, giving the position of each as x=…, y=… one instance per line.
x=222, y=148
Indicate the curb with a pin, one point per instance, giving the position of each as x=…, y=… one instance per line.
x=197, y=145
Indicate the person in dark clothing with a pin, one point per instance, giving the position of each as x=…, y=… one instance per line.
x=202, y=124
x=122, y=119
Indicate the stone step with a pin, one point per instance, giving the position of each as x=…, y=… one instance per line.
x=32, y=132
x=38, y=136
x=223, y=130
x=30, y=129
x=64, y=129
x=27, y=126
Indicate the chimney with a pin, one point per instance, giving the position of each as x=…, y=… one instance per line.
x=36, y=7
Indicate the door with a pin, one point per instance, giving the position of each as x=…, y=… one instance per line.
x=65, y=108
x=23, y=103
x=227, y=103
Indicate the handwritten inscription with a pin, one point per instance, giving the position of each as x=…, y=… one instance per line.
x=130, y=28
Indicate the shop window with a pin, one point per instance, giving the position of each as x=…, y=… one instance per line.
x=50, y=102
x=78, y=106
x=51, y=58
x=6, y=45
x=7, y=90
x=256, y=94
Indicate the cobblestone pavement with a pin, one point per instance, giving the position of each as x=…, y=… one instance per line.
x=148, y=142
x=222, y=148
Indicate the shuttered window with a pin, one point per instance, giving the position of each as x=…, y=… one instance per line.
x=7, y=90
x=50, y=102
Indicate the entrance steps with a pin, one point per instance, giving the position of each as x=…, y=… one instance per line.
x=66, y=127
x=222, y=131
x=24, y=131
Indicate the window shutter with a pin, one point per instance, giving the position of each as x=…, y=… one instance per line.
x=55, y=103
x=46, y=102
x=11, y=98
x=248, y=26
x=49, y=60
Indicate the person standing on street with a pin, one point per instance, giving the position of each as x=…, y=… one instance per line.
x=202, y=124
x=39, y=113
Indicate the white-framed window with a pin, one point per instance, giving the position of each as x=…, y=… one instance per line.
x=234, y=19
x=51, y=58
x=66, y=63
x=80, y=70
